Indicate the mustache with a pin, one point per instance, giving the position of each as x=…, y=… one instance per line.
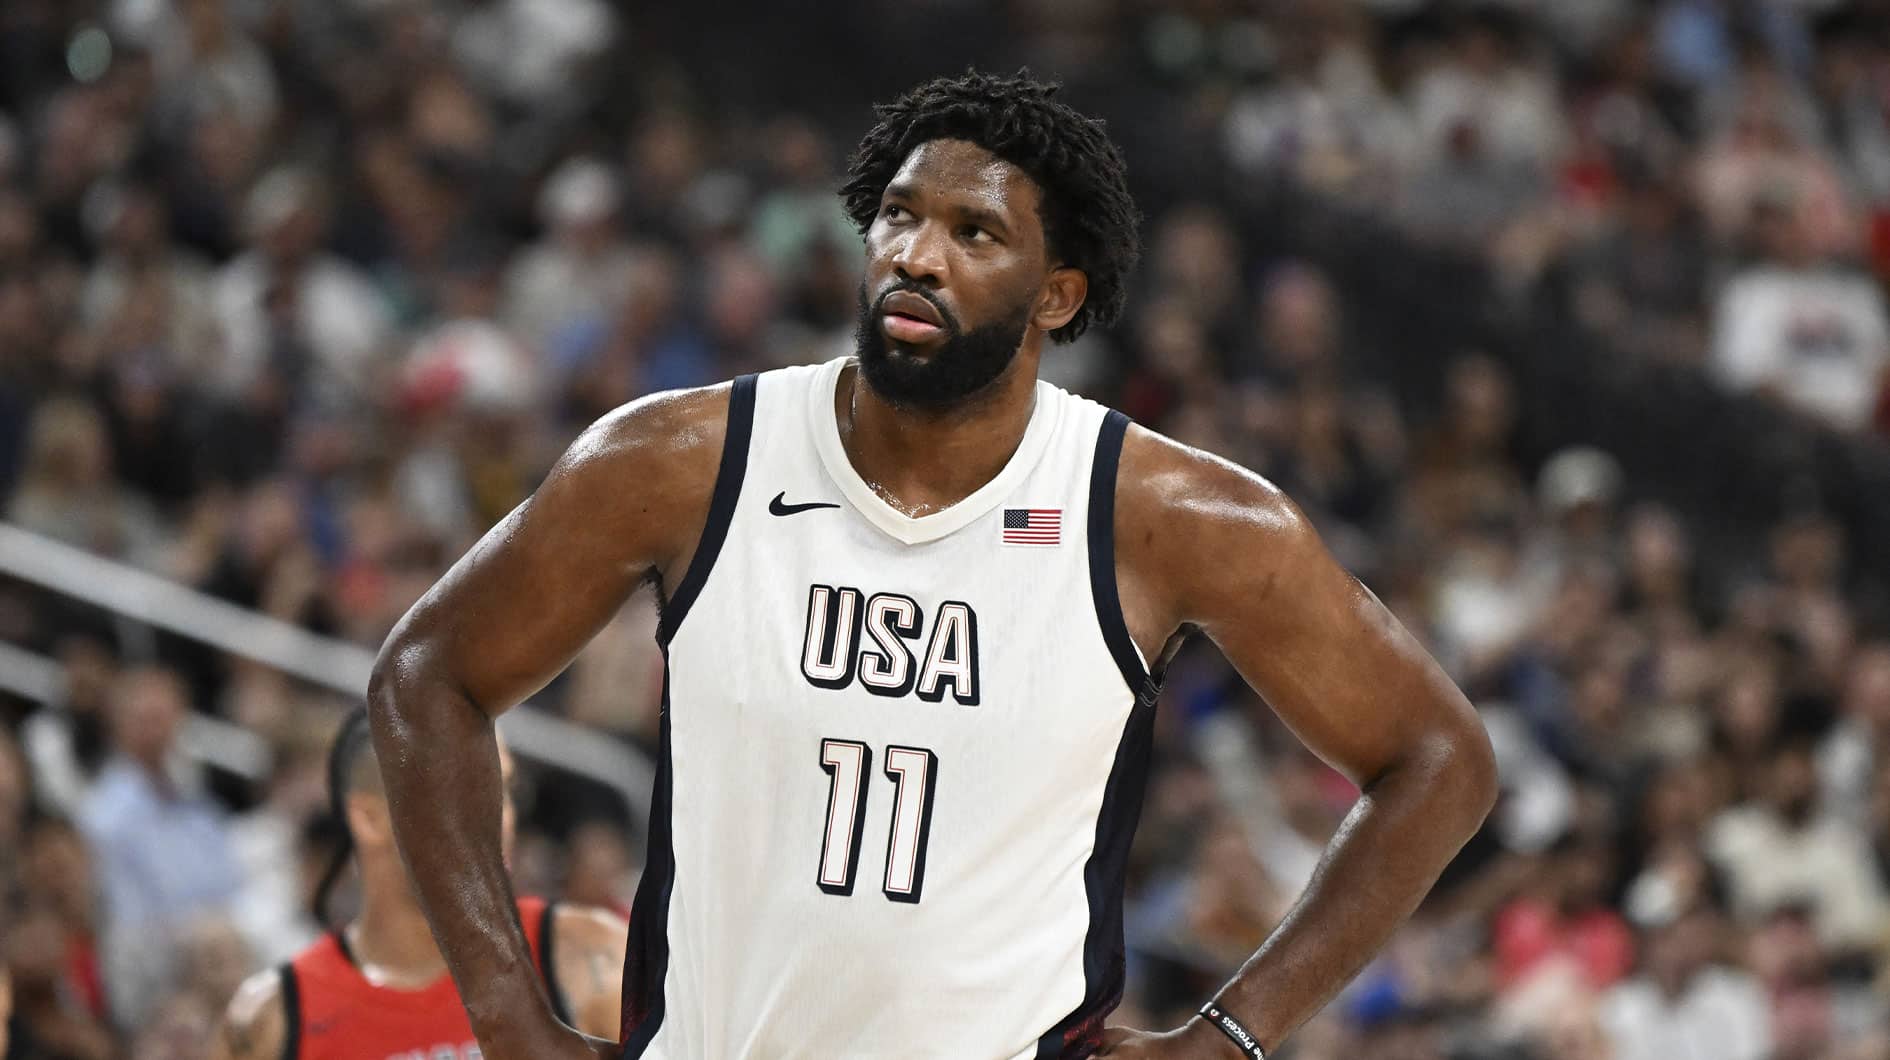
x=944, y=314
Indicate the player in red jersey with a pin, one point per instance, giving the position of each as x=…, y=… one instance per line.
x=378, y=988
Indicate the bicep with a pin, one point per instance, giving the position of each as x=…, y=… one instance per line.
x=533, y=591
x=1247, y=568
x=1336, y=666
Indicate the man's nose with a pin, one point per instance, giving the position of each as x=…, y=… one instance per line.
x=920, y=257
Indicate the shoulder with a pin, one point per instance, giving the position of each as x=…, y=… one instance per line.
x=644, y=467
x=668, y=438
x=256, y=1022
x=1164, y=476
x=1184, y=512
x=1202, y=542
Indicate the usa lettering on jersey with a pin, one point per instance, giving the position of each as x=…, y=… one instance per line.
x=876, y=640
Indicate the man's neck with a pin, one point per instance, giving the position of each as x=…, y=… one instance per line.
x=924, y=462
x=390, y=940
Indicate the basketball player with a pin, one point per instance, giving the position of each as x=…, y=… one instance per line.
x=915, y=606
x=378, y=989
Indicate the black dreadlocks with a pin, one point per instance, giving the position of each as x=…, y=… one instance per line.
x=1089, y=219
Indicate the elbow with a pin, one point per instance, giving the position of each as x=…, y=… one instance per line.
x=382, y=679
x=1470, y=774
x=400, y=665
x=1451, y=771
x=414, y=689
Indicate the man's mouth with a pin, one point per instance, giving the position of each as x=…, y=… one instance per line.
x=909, y=317
x=902, y=328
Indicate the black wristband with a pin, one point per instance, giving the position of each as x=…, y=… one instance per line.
x=1228, y=1025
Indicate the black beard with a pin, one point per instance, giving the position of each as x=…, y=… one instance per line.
x=961, y=365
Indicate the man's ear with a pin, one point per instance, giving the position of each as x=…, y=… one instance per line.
x=368, y=819
x=1062, y=295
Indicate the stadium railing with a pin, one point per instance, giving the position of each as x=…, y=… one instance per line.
x=323, y=662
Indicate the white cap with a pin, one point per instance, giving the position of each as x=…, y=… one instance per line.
x=1575, y=476
x=581, y=190
x=275, y=198
x=471, y=365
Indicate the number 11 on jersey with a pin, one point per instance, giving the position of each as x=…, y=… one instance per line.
x=849, y=767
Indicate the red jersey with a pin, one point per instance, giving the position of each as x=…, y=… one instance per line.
x=336, y=1014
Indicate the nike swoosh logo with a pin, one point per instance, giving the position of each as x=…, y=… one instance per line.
x=777, y=506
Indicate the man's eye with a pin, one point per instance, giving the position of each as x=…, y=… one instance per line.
x=892, y=212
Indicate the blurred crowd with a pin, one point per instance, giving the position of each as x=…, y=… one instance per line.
x=297, y=297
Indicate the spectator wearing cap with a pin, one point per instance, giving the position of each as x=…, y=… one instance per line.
x=470, y=388
x=162, y=848
x=576, y=275
x=295, y=317
x=1577, y=493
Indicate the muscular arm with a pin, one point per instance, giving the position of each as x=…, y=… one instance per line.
x=255, y=1024
x=626, y=502
x=1204, y=543
x=589, y=967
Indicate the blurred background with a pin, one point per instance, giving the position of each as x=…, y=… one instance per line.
x=1563, y=319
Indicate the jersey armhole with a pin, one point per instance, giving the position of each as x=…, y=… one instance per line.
x=728, y=489
x=547, y=963
x=291, y=1013
x=1143, y=685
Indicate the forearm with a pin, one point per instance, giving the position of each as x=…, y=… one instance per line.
x=1391, y=848
x=440, y=764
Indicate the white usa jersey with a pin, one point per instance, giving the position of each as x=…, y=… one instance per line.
x=902, y=758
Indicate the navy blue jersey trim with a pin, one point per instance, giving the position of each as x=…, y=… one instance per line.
x=1104, y=965
x=1080, y=1033
x=291, y=1012
x=1102, y=554
x=646, y=960
x=547, y=934
x=728, y=489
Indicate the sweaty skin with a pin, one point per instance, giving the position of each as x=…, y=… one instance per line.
x=1201, y=545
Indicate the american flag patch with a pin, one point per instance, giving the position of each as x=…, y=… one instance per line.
x=1033, y=526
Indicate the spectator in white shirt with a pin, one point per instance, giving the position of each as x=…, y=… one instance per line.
x=162, y=848
x=579, y=272
x=1858, y=746
x=1799, y=329
x=291, y=312
x=1684, y=1005
x=1782, y=850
